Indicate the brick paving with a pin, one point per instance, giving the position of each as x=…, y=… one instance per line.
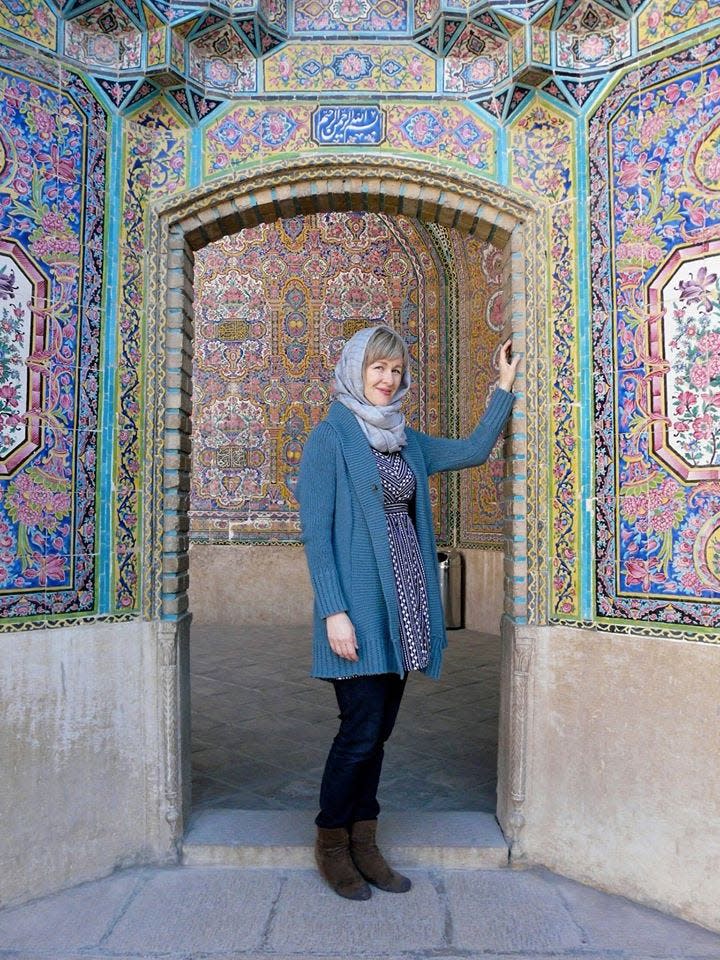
x=262, y=727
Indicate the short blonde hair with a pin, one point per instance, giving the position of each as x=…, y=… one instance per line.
x=385, y=344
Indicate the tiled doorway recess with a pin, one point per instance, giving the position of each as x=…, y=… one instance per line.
x=414, y=187
x=262, y=727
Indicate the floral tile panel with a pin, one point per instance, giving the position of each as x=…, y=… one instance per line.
x=657, y=335
x=33, y=22
x=52, y=181
x=385, y=68
x=442, y=129
x=351, y=16
x=274, y=305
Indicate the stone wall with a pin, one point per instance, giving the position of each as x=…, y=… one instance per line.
x=243, y=583
x=83, y=756
x=623, y=783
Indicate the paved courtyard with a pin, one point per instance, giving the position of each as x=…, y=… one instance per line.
x=193, y=913
x=262, y=727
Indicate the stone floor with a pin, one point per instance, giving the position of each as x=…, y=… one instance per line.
x=262, y=727
x=261, y=731
x=194, y=913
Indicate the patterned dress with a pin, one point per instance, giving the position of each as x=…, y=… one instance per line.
x=398, y=484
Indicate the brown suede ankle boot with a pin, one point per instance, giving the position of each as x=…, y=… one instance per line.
x=371, y=863
x=332, y=855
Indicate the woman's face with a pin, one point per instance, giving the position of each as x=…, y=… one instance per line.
x=381, y=380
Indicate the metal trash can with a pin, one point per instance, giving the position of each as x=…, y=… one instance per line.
x=450, y=571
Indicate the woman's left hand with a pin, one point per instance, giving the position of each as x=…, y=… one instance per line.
x=507, y=364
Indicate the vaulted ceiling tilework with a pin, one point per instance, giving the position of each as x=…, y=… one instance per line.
x=204, y=52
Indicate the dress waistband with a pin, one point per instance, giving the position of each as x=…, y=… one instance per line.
x=396, y=508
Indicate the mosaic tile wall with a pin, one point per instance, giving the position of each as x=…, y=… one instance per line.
x=443, y=130
x=542, y=162
x=274, y=306
x=154, y=163
x=200, y=53
x=605, y=111
x=481, y=318
x=52, y=180
x=656, y=312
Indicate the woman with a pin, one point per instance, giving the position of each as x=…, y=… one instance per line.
x=368, y=533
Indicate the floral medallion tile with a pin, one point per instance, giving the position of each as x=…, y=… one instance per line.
x=30, y=21
x=374, y=67
x=592, y=37
x=478, y=61
x=104, y=37
x=351, y=16
x=221, y=62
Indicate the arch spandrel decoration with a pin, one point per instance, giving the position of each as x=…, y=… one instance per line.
x=392, y=185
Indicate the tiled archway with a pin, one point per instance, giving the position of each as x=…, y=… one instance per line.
x=412, y=188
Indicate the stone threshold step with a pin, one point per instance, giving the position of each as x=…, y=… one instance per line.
x=284, y=838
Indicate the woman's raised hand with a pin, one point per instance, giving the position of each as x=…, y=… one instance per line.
x=507, y=365
x=341, y=636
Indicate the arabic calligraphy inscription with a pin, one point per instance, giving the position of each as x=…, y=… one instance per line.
x=348, y=125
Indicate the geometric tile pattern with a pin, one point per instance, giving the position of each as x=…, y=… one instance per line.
x=492, y=53
x=260, y=740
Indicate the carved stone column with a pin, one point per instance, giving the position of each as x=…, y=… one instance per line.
x=515, y=706
x=173, y=639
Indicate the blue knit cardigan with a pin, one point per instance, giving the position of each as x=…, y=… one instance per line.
x=345, y=534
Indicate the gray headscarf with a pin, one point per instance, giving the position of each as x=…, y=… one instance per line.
x=384, y=426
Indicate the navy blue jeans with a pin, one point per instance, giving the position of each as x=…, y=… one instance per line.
x=368, y=709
